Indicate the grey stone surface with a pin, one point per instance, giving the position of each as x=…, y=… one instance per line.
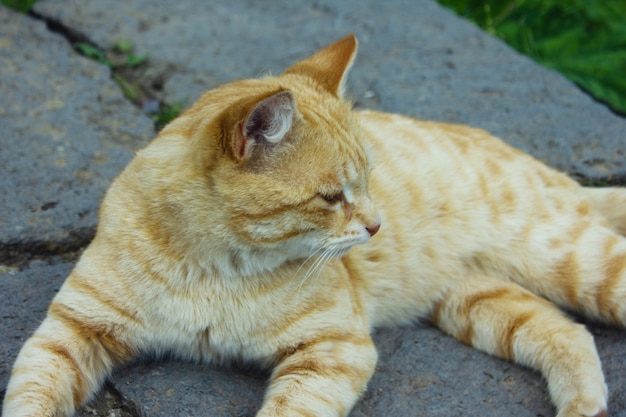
x=65, y=131
x=180, y=389
x=24, y=299
x=416, y=58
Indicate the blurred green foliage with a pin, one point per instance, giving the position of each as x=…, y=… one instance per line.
x=19, y=5
x=166, y=114
x=122, y=49
x=585, y=40
x=93, y=52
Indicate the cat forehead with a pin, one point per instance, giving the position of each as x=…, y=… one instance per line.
x=357, y=158
x=351, y=172
x=335, y=167
x=344, y=135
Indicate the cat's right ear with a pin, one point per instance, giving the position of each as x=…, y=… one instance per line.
x=265, y=124
x=329, y=66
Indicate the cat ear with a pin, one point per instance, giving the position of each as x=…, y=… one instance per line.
x=268, y=122
x=330, y=66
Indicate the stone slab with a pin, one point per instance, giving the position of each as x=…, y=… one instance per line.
x=416, y=58
x=66, y=131
x=24, y=300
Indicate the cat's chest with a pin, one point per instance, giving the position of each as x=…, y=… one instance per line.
x=217, y=322
x=209, y=324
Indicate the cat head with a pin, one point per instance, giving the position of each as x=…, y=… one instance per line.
x=284, y=161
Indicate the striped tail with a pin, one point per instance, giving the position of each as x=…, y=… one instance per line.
x=611, y=203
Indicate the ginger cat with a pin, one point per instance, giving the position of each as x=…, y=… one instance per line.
x=234, y=235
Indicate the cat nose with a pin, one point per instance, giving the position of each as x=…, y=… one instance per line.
x=373, y=228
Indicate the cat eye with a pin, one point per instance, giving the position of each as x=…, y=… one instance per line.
x=332, y=198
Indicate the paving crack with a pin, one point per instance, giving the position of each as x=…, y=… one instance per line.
x=18, y=254
x=140, y=78
x=56, y=26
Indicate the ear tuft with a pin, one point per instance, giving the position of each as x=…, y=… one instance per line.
x=330, y=66
x=271, y=118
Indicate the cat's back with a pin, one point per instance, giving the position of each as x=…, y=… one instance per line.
x=445, y=170
x=454, y=198
x=449, y=147
x=459, y=176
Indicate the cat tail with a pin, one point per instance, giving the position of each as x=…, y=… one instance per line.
x=68, y=357
x=504, y=319
x=611, y=203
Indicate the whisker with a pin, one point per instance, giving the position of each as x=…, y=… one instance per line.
x=326, y=258
x=317, y=265
x=320, y=248
x=320, y=263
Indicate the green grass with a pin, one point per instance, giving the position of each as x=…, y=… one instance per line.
x=120, y=57
x=166, y=114
x=585, y=40
x=19, y=5
x=122, y=54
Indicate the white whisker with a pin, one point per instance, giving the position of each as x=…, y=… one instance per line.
x=317, y=265
x=322, y=256
x=320, y=248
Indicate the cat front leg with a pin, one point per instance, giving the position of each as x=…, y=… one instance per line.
x=62, y=365
x=506, y=320
x=323, y=377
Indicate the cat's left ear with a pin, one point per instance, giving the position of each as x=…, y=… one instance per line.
x=330, y=66
x=265, y=125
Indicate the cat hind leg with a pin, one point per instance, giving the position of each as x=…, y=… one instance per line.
x=504, y=319
x=610, y=202
x=588, y=275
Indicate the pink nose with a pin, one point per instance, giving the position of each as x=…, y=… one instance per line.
x=372, y=229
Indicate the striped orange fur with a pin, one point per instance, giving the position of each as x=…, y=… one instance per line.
x=249, y=228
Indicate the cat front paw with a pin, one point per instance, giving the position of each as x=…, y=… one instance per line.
x=587, y=408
